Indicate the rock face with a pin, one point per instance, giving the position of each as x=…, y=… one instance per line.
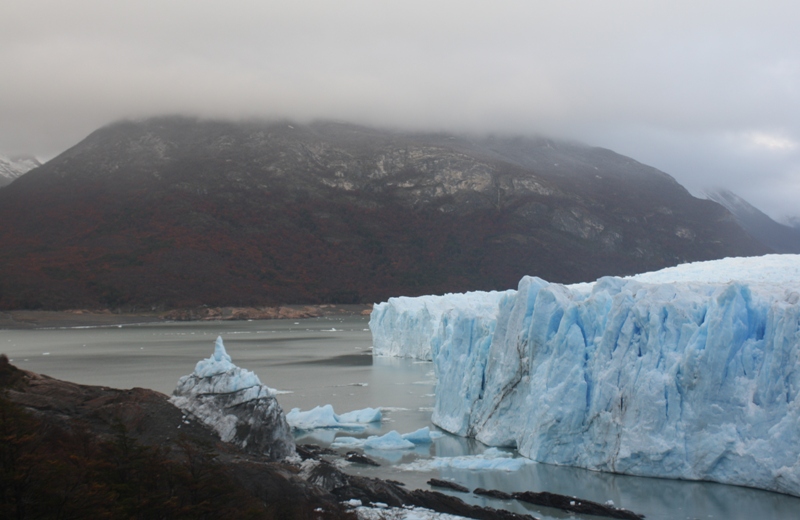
x=175, y=212
x=236, y=405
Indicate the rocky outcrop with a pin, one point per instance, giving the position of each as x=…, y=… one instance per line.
x=91, y=452
x=234, y=403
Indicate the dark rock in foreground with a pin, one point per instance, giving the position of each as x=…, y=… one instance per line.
x=435, y=482
x=575, y=505
x=94, y=452
x=359, y=458
x=493, y=493
x=98, y=452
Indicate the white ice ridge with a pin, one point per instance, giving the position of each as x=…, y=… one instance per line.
x=325, y=417
x=389, y=441
x=233, y=402
x=490, y=460
x=405, y=327
x=691, y=372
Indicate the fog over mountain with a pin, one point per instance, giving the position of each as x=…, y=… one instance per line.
x=705, y=91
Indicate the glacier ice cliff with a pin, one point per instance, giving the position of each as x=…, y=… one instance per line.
x=405, y=327
x=691, y=372
x=233, y=402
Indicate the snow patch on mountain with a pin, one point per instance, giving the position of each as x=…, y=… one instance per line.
x=12, y=167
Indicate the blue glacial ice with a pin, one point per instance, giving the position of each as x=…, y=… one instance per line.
x=389, y=441
x=325, y=417
x=418, y=320
x=691, y=372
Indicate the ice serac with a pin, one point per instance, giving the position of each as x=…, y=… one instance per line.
x=233, y=402
x=691, y=372
x=406, y=327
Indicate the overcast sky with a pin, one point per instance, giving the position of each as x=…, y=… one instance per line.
x=705, y=90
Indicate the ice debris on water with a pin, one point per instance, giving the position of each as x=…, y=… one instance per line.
x=383, y=512
x=325, y=417
x=492, y=459
x=691, y=372
x=233, y=402
x=389, y=441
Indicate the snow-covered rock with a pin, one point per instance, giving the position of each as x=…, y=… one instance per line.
x=405, y=327
x=232, y=401
x=691, y=372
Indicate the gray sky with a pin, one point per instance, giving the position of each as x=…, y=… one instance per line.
x=706, y=90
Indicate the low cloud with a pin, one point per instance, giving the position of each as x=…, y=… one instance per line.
x=666, y=82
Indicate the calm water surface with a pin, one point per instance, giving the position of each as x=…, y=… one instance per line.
x=328, y=361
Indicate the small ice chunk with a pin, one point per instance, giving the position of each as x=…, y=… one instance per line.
x=389, y=441
x=422, y=436
x=491, y=459
x=363, y=416
x=325, y=417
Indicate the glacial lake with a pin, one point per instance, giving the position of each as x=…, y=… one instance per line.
x=328, y=361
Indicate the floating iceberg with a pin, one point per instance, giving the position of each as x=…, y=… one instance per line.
x=389, y=441
x=691, y=372
x=325, y=417
x=233, y=402
x=490, y=460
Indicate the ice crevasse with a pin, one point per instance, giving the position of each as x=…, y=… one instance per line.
x=691, y=372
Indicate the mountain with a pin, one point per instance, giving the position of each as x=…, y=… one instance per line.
x=779, y=237
x=179, y=212
x=13, y=166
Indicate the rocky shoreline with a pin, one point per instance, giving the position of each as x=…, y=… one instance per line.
x=37, y=319
x=139, y=428
x=136, y=432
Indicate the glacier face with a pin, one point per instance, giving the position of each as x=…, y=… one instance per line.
x=405, y=326
x=690, y=373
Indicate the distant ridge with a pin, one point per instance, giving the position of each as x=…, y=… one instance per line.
x=177, y=212
x=779, y=237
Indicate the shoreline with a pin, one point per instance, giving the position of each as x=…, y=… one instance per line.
x=28, y=319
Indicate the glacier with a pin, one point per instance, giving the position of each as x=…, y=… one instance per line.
x=691, y=372
x=233, y=402
x=405, y=326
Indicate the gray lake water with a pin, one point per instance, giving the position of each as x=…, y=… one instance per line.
x=328, y=361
